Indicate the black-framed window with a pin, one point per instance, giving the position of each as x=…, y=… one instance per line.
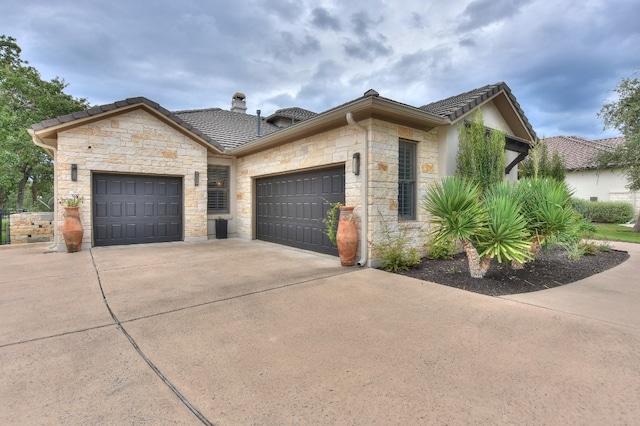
x=217, y=189
x=407, y=180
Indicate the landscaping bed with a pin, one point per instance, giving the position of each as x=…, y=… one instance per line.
x=551, y=268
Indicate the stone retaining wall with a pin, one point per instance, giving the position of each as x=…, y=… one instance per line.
x=31, y=227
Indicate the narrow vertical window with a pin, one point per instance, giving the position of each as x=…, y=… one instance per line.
x=218, y=189
x=407, y=180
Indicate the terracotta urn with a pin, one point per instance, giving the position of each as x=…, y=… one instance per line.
x=72, y=229
x=347, y=236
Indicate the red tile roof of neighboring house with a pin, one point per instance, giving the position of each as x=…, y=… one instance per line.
x=580, y=153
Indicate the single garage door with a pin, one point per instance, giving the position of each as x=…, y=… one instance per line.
x=290, y=208
x=130, y=209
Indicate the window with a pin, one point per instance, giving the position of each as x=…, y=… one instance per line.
x=407, y=180
x=218, y=189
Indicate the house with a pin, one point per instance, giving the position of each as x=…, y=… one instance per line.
x=589, y=181
x=153, y=175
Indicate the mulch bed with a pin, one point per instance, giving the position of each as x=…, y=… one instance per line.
x=551, y=268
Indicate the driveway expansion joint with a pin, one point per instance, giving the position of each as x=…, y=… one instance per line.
x=150, y=363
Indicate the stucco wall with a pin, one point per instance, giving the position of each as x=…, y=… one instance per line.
x=133, y=142
x=448, y=140
x=336, y=147
x=606, y=185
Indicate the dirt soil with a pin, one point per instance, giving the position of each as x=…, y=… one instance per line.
x=550, y=269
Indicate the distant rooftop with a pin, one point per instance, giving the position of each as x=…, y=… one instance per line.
x=580, y=153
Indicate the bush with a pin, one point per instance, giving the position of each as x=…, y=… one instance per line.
x=604, y=211
x=443, y=248
x=394, y=253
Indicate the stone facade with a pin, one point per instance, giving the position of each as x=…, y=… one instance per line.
x=31, y=227
x=135, y=142
x=336, y=147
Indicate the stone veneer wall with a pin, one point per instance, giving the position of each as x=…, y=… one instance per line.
x=383, y=181
x=135, y=142
x=36, y=227
x=337, y=147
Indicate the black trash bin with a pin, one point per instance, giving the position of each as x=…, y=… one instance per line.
x=221, y=228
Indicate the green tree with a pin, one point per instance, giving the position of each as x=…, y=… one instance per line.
x=26, y=99
x=539, y=165
x=481, y=157
x=624, y=116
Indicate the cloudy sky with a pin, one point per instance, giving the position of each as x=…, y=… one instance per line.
x=561, y=58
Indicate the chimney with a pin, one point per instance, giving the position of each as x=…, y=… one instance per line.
x=238, y=103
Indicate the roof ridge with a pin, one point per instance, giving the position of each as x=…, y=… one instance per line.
x=184, y=111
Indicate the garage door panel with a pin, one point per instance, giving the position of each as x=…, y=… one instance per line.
x=290, y=208
x=136, y=209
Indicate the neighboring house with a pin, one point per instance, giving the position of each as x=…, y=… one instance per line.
x=152, y=175
x=583, y=174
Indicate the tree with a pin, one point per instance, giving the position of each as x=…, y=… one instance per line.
x=624, y=116
x=481, y=157
x=26, y=99
x=539, y=165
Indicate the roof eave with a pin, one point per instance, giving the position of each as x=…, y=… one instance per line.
x=361, y=109
x=49, y=133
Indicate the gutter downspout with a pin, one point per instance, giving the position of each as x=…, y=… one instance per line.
x=364, y=193
x=53, y=152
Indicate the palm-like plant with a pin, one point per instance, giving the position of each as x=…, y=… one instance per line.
x=458, y=214
x=507, y=237
x=492, y=226
x=547, y=206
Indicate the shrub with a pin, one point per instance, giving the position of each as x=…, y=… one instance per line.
x=603, y=211
x=394, y=253
x=611, y=212
x=443, y=248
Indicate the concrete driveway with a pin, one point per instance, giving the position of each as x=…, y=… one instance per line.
x=240, y=332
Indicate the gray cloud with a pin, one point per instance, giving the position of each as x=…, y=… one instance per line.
x=323, y=20
x=559, y=59
x=289, y=48
x=480, y=13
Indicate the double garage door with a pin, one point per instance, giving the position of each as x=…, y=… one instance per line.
x=129, y=209
x=290, y=208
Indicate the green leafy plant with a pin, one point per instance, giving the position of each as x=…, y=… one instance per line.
x=481, y=155
x=394, y=252
x=331, y=221
x=443, y=248
x=575, y=250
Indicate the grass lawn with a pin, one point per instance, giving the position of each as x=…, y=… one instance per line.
x=613, y=232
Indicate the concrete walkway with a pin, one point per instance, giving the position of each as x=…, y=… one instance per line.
x=240, y=332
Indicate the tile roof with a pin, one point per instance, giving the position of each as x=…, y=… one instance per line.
x=229, y=129
x=295, y=113
x=579, y=153
x=455, y=106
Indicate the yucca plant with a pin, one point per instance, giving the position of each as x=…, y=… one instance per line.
x=507, y=237
x=492, y=226
x=547, y=208
x=458, y=214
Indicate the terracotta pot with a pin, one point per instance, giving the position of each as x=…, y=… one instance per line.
x=72, y=229
x=347, y=236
